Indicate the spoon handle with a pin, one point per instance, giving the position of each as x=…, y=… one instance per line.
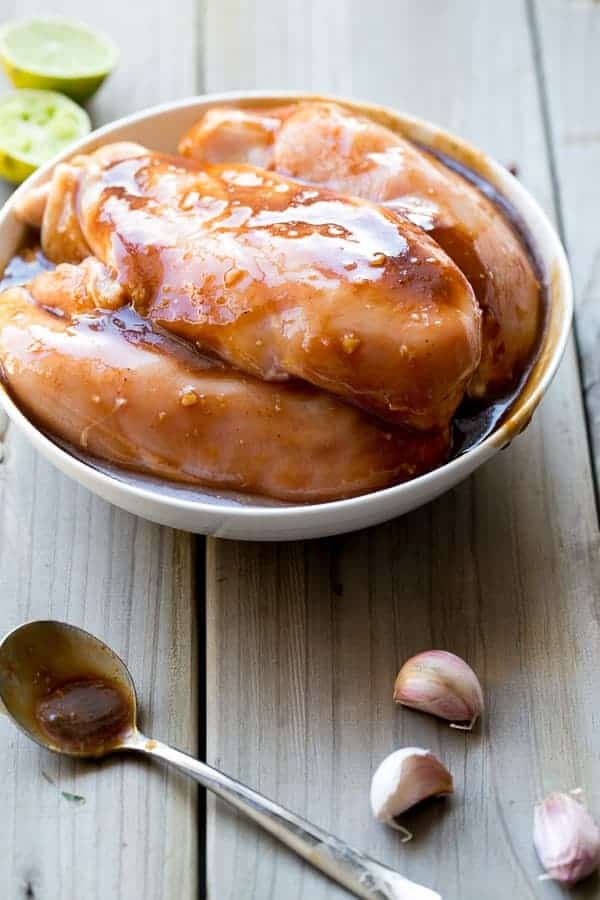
x=358, y=873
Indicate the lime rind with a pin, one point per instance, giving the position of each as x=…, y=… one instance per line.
x=85, y=88
x=54, y=53
x=35, y=125
x=13, y=169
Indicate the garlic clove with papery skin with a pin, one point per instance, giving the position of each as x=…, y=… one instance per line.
x=405, y=778
x=440, y=683
x=566, y=838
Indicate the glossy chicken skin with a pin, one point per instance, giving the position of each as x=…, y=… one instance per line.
x=53, y=206
x=73, y=289
x=227, y=135
x=282, y=281
x=109, y=384
x=325, y=144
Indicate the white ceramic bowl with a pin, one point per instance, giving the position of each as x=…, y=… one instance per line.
x=225, y=516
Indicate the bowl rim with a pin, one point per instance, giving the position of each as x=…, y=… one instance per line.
x=559, y=287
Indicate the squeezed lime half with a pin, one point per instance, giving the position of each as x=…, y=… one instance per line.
x=56, y=54
x=35, y=126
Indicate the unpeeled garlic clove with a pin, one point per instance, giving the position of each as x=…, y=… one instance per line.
x=440, y=683
x=566, y=838
x=405, y=778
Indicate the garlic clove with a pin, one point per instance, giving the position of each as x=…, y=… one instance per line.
x=405, y=778
x=440, y=683
x=566, y=838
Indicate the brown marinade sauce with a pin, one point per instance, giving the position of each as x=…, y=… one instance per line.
x=474, y=420
x=28, y=263
x=87, y=714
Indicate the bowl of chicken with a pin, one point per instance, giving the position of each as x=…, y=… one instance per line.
x=276, y=316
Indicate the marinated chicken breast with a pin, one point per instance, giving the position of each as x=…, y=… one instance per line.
x=111, y=385
x=279, y=280
x=328, y=145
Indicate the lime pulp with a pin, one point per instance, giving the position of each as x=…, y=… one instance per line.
x=35, y=126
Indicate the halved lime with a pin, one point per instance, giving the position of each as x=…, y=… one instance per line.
x=34, y=126
x=56, y=54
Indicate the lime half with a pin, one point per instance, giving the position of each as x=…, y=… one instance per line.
x=35, y=126
x=56, y=54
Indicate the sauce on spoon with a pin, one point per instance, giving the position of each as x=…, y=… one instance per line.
x=86, y=714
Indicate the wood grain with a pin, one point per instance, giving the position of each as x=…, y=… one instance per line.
x=66, y=554
x=568, y=36
x=304, y=640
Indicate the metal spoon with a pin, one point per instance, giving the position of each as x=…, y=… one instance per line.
x=38, y=663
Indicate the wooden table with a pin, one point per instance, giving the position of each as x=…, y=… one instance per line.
x=277, y=661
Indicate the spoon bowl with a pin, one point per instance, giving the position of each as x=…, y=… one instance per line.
x=46, y=659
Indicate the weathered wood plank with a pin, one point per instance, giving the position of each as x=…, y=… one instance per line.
x=568, y=36
x=304, y=640
x=66, y=554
